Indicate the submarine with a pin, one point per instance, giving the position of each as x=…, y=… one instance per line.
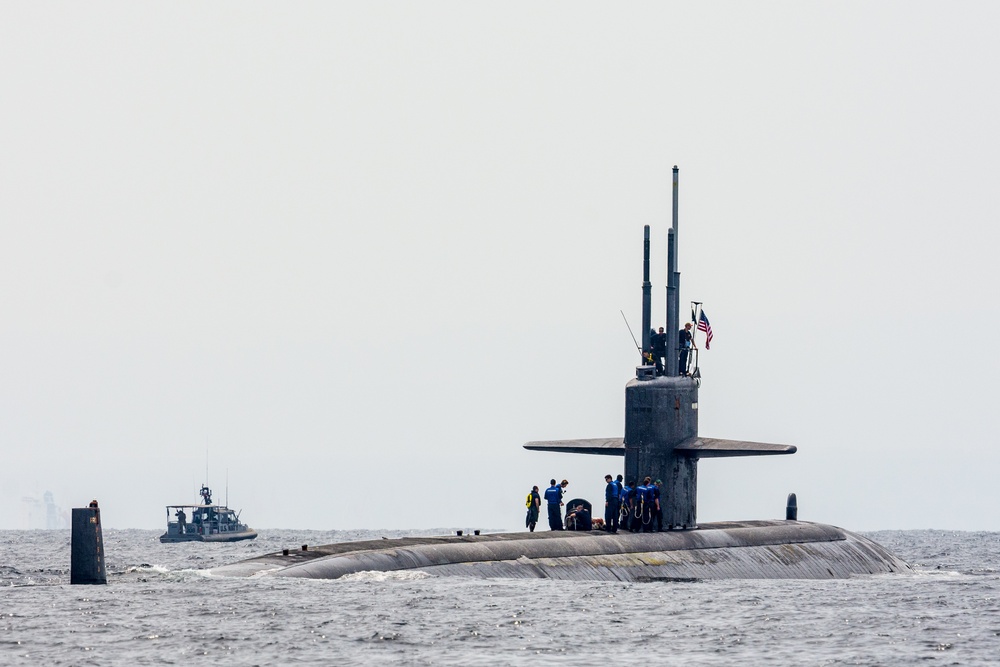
x=661, y=441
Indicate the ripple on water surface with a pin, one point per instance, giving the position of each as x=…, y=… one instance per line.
x=160, y=608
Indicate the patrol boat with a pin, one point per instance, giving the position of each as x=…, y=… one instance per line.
x=207, y=523
x=661, y=441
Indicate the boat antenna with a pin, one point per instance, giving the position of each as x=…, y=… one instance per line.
x=630, y=332
x=227, y=487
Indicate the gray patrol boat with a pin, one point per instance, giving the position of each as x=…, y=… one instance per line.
x=661, y=441
x=207, y=523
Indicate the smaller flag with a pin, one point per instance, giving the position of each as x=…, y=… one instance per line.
x=703, y=325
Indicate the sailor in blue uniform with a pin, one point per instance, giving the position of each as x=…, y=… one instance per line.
x=622, y=519
x=645, y=492
x=612, y=500
x=657, y=507
x=579, y=518
x=635, y=517
x=553, y=496
x=627, y=503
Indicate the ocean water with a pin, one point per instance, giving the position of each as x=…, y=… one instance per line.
x=161, y=608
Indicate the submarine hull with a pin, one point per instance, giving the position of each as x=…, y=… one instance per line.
x=730, y=550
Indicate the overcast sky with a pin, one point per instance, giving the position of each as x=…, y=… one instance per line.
x=351, y=256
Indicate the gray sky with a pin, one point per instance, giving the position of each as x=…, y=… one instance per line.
x=359, y=253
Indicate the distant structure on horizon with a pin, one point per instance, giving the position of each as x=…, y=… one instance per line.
x=43, y=514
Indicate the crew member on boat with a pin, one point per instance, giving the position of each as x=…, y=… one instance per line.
x=181, y=521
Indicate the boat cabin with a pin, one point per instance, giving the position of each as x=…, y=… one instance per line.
x=205, y=523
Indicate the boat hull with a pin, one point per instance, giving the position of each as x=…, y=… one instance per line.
x=167, y=538
x=731, y=550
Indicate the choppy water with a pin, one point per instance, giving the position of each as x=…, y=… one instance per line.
x=161, y=608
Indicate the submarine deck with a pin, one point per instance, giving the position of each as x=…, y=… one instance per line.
x=730, y=550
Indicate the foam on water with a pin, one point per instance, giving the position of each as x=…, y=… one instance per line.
x=147, y=568
x=399, y=575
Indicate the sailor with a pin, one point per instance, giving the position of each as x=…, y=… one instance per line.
x=658, y=341
x=622, y=503
x=650, y=504
x=181, y=521
x=196, y=519
x=645, y=513
x=553, y=496
x=635, y=517
x=534, y=503
x=685, y=341
x=634, y=501
x=612, y=504
x=579, y=519
x=657, y=507
x=649, y=359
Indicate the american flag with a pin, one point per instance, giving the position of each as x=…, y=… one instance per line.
x=703, y=325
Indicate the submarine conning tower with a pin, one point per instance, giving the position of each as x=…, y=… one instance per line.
x=660, y=414
x=661, y=411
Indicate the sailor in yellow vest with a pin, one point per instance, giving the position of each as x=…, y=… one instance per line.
x=534, y=503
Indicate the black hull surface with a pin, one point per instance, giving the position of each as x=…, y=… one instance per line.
x=730, y=550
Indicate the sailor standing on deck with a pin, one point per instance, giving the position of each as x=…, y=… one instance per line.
x=658, y=341
x=553, y=496
x=685, y=341
x=657, y=507
x=622, y=503
x=643, y=514
x=534, y=503
x=631, y=498
x=612, y=498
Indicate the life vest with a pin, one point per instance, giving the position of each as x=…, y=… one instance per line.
x=553, y=495
x=648, y=493
x=527, y=503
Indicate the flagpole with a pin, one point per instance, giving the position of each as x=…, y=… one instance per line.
x=695, y=314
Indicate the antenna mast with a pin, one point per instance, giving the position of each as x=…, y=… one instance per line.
x=647, y=288
x=673, y=293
